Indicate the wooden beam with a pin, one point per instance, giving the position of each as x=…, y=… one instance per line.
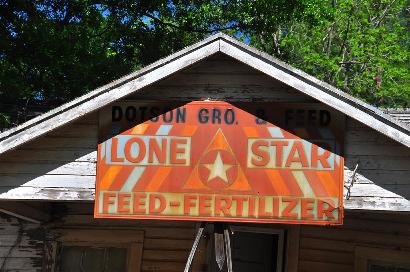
x=24, y=211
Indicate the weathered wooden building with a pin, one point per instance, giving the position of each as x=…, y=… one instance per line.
x=48, y=175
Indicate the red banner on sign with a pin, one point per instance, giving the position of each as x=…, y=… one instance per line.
x=219, y=162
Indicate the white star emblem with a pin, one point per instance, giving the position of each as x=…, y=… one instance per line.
x=218, y=169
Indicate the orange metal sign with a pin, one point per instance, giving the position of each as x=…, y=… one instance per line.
x=216, y=161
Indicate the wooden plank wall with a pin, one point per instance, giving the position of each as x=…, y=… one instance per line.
x=383, y=180
x=220, y=78
x=166, y=243
x=61, y=165
x=333, y=248
x=21, y=245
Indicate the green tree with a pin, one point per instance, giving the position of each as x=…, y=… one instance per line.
x=362, y=47
x=52, y=51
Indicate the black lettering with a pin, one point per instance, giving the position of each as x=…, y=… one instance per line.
x=154, y=114
x=229, y=116
x=142, y=113
x=203, y=116
x=131, y=114
x=324, y=118
x=216, y=116
x=260, y=114
x=116, y=113
x=168, y=112
x=181, y=115
x=312, y=117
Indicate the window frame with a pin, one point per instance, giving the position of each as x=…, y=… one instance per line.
x=364, y=255
x=278, y=231
x=132, y=240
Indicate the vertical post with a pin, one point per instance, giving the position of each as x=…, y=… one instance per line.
x=222, y=246
x=228, y=249
x=194, y=247
x=219, y=245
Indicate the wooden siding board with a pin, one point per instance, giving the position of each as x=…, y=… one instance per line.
x=44, y=193
x=21, y=245
x=166, y=243
x=334, y=248
x=383, y=175
x=48, y=181
x=357, y=236
x=398, y=204
x=165, y=248
x=327, y=256
x=306, y=266
x=213, y=92
x=325, y=245
x=250, y=85
x=52, y=168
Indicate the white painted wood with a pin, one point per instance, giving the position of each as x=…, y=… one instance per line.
x=51, y=156
x=48, y=181
x=180, y=79
x=53, y=168
x=55, y=143
x=372, y=190
x=378, y=204
x=215, y=92
x=51, y=194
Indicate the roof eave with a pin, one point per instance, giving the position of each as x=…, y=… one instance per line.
x=323, y=92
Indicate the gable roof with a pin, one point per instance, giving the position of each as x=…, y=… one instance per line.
x=321, y=91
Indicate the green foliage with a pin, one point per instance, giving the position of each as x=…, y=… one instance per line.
x=52, y=51
x=362, y=48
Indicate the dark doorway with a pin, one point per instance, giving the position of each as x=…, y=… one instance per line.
x=257, y=252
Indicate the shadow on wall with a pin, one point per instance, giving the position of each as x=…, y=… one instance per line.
x=383, y=173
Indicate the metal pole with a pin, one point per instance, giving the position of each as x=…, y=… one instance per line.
x=219, y=245
x=228, y=249
x=194, y=247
